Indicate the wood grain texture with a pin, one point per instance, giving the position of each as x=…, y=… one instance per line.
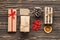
x=39, y=35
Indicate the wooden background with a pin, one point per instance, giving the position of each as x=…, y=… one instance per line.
x=32, y=35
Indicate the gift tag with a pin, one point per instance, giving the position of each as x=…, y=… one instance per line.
x=24, y=11
x=12, y=20
x=25, y=24
x=48, y=15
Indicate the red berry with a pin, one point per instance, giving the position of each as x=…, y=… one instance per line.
x=37, y=25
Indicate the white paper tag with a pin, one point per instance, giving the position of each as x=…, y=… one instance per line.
x=24, y=11
x=25, y=24
x=12, y=20
x=48, y=15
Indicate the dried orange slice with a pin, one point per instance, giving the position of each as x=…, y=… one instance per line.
x=47, y=29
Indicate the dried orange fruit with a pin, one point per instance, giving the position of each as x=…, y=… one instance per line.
x=47, y=29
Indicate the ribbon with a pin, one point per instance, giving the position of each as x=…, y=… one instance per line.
x=36, y=25
x=12, y=16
